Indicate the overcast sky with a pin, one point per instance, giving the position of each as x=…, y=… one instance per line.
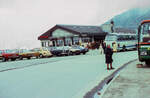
x=22, y=21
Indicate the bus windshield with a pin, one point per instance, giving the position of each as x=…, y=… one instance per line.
x=145, y=32
x=111, y=38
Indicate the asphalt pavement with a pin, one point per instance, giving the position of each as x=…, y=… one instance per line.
x=132, y=82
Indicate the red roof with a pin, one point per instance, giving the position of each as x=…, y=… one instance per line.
x=145, y=21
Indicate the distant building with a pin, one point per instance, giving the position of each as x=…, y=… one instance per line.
x=60, y=35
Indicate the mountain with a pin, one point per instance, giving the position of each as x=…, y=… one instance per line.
x=131, y=18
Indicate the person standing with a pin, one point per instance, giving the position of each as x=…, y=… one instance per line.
x=115, y=47
x=108, y=57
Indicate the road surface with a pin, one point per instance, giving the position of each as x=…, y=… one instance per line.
x=56, y=77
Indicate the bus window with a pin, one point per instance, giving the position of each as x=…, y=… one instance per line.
x=121, y=37
x=145, y=32
x=146, y=28
x=111, y=38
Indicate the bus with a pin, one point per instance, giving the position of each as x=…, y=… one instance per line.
x=144, y=42
x=121, y=41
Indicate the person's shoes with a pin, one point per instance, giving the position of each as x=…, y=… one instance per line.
x=107, y=68
x=112, y=68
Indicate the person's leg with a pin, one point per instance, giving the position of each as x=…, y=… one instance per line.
x=107, y=66
x=111, y=66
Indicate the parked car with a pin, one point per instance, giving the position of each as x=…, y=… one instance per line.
x=63, y=50
x=24, y=53
x=74, y=50
x=55, y=51
x=8, y=54
x=43, y=51
x=83, y=49
x=1, y=56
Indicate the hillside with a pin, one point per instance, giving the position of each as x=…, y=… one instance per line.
x=131, y=18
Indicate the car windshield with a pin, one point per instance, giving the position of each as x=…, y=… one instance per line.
x=75, y=47
x=81, y=47
x=45, y=49
x=1, y=51
x=26, y=51
x=59, y=48
x=9, y=51
x=36, y=49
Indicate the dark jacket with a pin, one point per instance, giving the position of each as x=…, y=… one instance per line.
x=108, y=55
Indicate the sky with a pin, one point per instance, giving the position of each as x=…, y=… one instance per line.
x=22, y=21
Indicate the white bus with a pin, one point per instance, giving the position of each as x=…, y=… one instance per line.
x=121, y=41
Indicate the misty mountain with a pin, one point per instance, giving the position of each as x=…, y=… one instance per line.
x=131, y=18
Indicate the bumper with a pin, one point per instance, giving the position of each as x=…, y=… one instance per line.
x=144, y=58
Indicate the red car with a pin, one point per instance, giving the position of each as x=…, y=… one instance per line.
x=5, y=55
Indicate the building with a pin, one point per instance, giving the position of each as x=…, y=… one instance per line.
x=60, y=35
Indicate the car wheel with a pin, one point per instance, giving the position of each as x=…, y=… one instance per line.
x=49, y=56
x=29, y=58
x=71, y=53
x=20, y=58
x=4, y=59
x=13, y=59
x=84, y=53
x=124, y=48
x=41, y=56
x=68, y=53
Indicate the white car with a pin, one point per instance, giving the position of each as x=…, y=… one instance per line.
x=74, y=50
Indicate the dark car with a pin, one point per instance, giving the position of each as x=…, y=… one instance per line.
x=64, y=50
x=55, y=51
x=8, y=54
x=59, y=50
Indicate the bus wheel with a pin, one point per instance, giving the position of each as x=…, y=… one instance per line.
x=147, y=63
x=124, y=48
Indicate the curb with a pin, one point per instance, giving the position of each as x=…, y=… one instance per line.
x=99, y=83
x=106, y=80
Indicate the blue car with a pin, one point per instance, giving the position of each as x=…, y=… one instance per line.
x=83, y=50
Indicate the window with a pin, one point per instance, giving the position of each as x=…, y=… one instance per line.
x=60, y=42
x=111, y=38
x=68, y=41
x=85, y=39
x=146, y=28
x=76, y=40
x=42, y=44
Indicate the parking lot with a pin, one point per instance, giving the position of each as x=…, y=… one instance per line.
x=56, y=77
